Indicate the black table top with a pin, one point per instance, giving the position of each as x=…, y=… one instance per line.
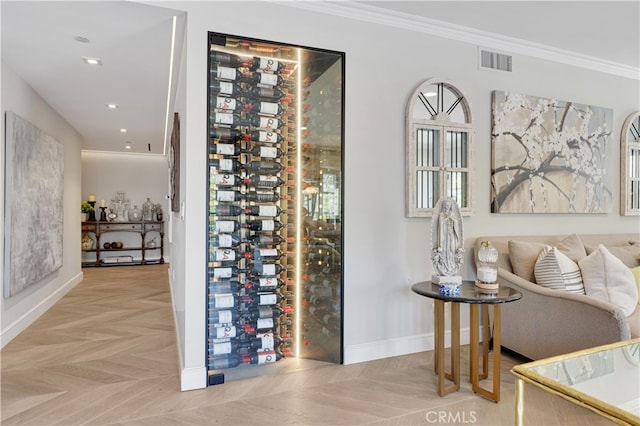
x=469, y=293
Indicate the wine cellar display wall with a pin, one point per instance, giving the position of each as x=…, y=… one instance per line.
x=274, y=271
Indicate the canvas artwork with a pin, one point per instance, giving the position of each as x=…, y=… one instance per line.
x=549, y=156
x=34, y=185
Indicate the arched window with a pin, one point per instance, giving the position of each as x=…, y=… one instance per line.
x=630, y=166
x=438, y=148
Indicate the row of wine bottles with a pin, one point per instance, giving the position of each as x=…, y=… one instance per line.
x=249, y=301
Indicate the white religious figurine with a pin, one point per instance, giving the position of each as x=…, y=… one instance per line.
x=447, y=243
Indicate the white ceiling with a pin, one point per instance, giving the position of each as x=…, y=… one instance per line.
x=134, y=42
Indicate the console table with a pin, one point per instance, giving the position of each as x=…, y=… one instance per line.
x=114, y=256
x=472, y=295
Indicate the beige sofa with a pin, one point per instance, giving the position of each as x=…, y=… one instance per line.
x=548, y=322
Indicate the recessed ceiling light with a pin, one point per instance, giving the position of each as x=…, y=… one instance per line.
x=123, y=130
x=127, y=145
x=112, y=106
x=81, y=39
x=92, y=61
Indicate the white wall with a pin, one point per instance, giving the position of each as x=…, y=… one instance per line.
x=139, y=176
x=25, y=307
x=385, y=252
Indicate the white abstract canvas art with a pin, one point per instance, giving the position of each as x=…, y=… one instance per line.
x=34, y=185
x=549, y=156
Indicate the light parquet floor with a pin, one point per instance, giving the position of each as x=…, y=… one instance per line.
x=105, y=354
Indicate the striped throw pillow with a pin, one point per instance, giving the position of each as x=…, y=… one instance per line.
x=554, y=270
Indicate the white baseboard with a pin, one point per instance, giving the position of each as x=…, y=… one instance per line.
x=9, y=332
x=193, y=378
x=395, y=347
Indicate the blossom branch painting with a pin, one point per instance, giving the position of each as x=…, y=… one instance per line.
x=548, y=155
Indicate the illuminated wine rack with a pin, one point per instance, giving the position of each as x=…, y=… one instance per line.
x=274, y=260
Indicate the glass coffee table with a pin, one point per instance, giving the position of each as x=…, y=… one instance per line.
x=604, y=379
x=476, y=298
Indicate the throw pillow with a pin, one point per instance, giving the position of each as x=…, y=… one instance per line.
x=607, y=278
x=573, y=247
x=636, y=274
x=629, y=254
x=523, y=256
x=556, y=271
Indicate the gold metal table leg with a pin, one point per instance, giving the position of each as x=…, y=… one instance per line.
x=493, y=395
x=439, y=358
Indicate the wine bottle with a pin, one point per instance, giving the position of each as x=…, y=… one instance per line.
x=225, y=240
x=269, y=93
x=266, y=152
x=225, y=88
x=263, y=107
x=225, y=272
x=226, y=286
x=265, y=240
x=228, y=104
x=226, y=179
x=258, y=121
x=268, y=269
x=265, y=64
x=226, y=134
x=262, y=357
x=231, y=300
x=266, y=181
x=222, y=316
x=265, y=136
x=261, y=197
x=263, y=210
x=264, y=78
x=222, y=362
x=222, y=332
x=223, y=164
x=223, y=347
x=263, y=225
x=265, y=167
x=264, y=341
x=229, y=59
x=266, y=253
x=224, y=226
x=227, y=255
x=227, y=73
x=270, y=283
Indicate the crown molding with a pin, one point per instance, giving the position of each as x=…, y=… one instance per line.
x=380, y=16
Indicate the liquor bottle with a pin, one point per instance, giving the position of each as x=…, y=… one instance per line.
x=225, y=240
x=265, y=64
x=225, y=88
x=266, y=151
x=260, y=197
x=224, y=164
x=229, y=59
x=226, y=134
x=221, y=362
x=265, y=136
x=224, y=226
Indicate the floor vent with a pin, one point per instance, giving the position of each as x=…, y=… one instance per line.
x=497, y=61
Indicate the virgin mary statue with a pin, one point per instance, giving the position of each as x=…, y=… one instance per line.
x=447, y=243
